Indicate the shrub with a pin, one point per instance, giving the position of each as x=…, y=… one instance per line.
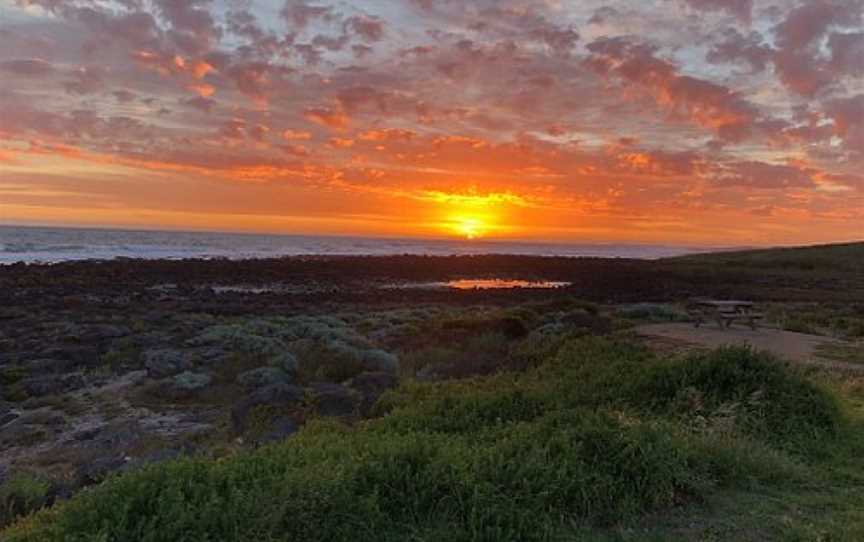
x=654, y=312
x=20, y=495
x=766, y=397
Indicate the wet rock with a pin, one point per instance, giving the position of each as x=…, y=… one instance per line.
x=165, y=362
x=330, y=399
x=279, y=395
x=263, y=376
x=188, y=381
x=371, y=386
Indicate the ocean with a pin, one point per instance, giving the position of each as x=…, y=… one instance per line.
x=50, y=245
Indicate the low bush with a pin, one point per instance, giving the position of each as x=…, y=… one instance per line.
x=21, y=494
x=767, y=398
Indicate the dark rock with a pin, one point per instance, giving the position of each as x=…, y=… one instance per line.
x=380, y=360
x=49, y=365
x=86, y=434
x=331, y=399
x=263, y=376
x=371, y=386
x=7, y=415
x=188, y=381
x=280, y=395
x=93, y=333
x=79, y=355
x=165, y=362
x=210, y=356
x=51, y=385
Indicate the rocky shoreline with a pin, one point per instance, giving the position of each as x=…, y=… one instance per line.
x=107, y=366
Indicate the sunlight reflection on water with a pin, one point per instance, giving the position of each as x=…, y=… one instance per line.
x=483, y=284
x=491, y=284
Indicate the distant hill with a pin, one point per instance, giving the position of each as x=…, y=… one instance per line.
x=836, y=257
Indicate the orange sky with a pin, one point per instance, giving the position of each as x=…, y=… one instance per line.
x=683, y=121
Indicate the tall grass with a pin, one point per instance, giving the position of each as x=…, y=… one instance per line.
x=596, y=435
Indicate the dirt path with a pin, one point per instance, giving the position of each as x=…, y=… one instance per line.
x=798, y=347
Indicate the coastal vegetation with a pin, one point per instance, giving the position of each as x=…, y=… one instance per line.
x=598, y=434
x=151, y=411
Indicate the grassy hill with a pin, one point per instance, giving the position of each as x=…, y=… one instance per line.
x=833, y=257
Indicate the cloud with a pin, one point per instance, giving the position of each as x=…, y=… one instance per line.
x=847, y=53
x=28, y=67
x=193, y=29
x=86, y=80
x=762, y=175
x=736, y=47
x=370, y=29
x=388, y=134
x=708, y=104
x=847, y=114
x=299, y=14
x=200, y=103
x=739, y=8
x=296, y=135
x=329, y=118
x=798, y=59
x=124, y=96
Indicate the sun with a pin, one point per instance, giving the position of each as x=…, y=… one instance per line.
x=469, y=227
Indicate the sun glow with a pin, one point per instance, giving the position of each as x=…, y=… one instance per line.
x=469, y=227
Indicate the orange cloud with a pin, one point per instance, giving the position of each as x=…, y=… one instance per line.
x=328, y=118
x=294, y=135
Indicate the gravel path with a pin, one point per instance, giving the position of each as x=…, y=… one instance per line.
x=798, y=347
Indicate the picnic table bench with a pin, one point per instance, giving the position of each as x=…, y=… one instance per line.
x=724, y=312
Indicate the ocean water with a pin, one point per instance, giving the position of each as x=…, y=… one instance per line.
x=51, y=245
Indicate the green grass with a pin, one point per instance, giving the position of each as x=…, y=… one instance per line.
x=843, y=256
x=596, y=442
x=20, y=495
x=847, y=353
x=843, y=320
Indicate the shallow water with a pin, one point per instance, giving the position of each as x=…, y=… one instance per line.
x=494, y=284
x=481, y=284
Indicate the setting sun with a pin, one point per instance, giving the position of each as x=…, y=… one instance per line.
x=469, y=227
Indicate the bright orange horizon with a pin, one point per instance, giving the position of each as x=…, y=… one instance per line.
x=702, y=122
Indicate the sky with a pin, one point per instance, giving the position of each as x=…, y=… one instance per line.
x=715, y=122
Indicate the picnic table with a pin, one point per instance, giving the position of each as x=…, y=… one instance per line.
x=725, y=312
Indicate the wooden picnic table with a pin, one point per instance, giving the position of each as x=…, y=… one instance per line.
x=724, y=311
